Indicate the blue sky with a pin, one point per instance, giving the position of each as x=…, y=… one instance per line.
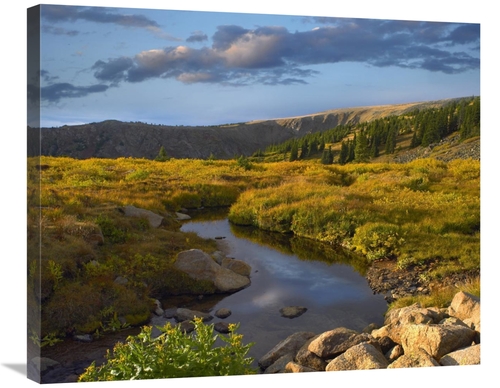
x=204, y=68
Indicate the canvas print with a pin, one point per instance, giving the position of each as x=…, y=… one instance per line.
x=216, y=193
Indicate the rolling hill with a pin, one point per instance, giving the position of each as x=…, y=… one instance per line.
x=113, y=139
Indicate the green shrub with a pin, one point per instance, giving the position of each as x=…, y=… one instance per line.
x=244, y=163
x=174, y=353
x=110, y=231
x=137, y=175
x=378, y=240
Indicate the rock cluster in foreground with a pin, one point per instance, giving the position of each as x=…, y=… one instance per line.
x=410, y=337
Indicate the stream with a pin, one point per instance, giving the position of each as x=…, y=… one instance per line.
x=286, y=271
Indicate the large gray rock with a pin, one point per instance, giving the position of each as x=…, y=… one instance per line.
x=293, y=367
x=289, y=345
x=182, y=216
x=154, y=219
x=359, y=357
x=197, y=264
x=238, y=266
x=309, y=359
x=467, y=356
x=218, y=257
x=292, y=311
x=398, y=319
x=466, y=307
x=223, y=313
x=279, y=366
x=227, y=281
x=182, y=315
x=437, y=340
x=43, y=363
x=201, y=266
x=418, y=359
x=331, y=343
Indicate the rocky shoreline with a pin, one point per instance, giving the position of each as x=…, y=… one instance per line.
x=383, y=277
x=386, y=279
x=410, y=337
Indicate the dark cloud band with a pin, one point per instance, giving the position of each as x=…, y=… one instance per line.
x=58, y=91
x=56, y=13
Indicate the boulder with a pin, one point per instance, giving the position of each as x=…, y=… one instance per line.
x=197, y=264
x=467, y=308
x=291, y=345
x=412, y=314
x=386, y=344
x=227, y=281
x=238, y=266
x=309, y=359
x=223, y=313
x=158, y=310
x=396, y=320
x=417, y=359
x=466, y=356
x=43, y=363
x=359, y=357
x=279, y=366
x=394, y=353
x=182, y=314
x=218, y=256
x=437, y=340
x=293, y=367
x=170, y=312
x=186, y=326
x=222, y=327
x=330, y=343
x=121, y=280
x=201, y=266
x=83, y=338
x=292, y=311
x=154, y=219
x=181, y=216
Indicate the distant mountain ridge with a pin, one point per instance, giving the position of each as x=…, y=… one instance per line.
x=113, y=139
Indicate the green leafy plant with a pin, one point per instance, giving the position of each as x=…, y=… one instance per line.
x=56, y=273
x=49, y=340
x=110, y=231
x=174, y=353
x=244, y=163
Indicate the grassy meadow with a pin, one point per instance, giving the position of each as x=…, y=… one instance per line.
x=416, y=213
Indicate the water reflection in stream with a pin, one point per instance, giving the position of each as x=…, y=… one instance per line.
x=289, y=272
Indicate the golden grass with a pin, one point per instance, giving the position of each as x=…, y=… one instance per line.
x=423, y=210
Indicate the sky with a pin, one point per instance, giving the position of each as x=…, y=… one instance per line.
x=190, y=67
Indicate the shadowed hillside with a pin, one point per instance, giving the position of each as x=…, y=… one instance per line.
x=112, y=139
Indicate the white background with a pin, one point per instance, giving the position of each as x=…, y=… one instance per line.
x=13, y=182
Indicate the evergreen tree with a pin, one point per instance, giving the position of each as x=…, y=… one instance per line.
x=351, y=153
x=327, y=157
x=322, y=145
x=162, y=155
x=415, y=141
x=304, y=148
x=344, y=153
x=374, y=148
x=294, y=152
x=313, y=147
x=390, y=144
x=361, y=152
